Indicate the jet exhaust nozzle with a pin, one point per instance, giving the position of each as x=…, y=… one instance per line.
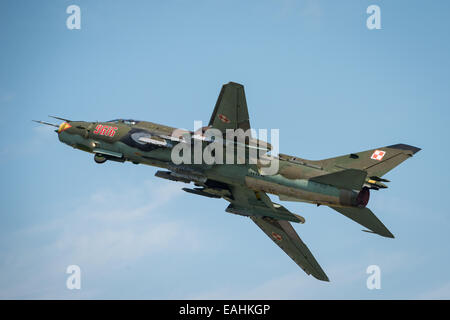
x=362, y=199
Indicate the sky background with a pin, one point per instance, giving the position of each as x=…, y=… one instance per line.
x=310, y=68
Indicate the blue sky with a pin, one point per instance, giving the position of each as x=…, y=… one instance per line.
x=310, y=68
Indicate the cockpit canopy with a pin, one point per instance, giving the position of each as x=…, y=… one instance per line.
x=125, y=121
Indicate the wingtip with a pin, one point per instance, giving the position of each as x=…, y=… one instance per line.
x=390, y=236
x=232, y=83
x=385, y=233
x=322, y=277
x=319, y=274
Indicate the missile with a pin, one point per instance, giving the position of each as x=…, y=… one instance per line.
x=200, y=193
x=167, y=175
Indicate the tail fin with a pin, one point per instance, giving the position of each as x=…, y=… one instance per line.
x=376, y=162
x=366, y=218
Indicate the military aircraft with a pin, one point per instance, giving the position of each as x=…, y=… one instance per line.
x=341, y=183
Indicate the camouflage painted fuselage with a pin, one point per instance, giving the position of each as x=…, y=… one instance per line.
x=117, y=141
x=341, y=183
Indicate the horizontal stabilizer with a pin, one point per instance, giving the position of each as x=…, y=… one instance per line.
x=352, y=179
x=366, y=218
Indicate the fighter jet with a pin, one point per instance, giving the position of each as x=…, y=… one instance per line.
x=342, y=183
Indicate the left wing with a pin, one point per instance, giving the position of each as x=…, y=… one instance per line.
x=247, y=202
x=273, y=219
x=284, y=235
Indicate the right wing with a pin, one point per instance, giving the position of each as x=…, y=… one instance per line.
x=284, y=235
x=231, y=111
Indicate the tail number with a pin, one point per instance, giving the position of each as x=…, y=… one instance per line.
x=105, y=130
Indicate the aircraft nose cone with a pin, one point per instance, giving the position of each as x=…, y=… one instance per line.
x=64, y=126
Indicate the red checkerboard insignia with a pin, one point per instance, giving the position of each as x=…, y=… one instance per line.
x=378, y=155
x=276, y=236
x=223, y=118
